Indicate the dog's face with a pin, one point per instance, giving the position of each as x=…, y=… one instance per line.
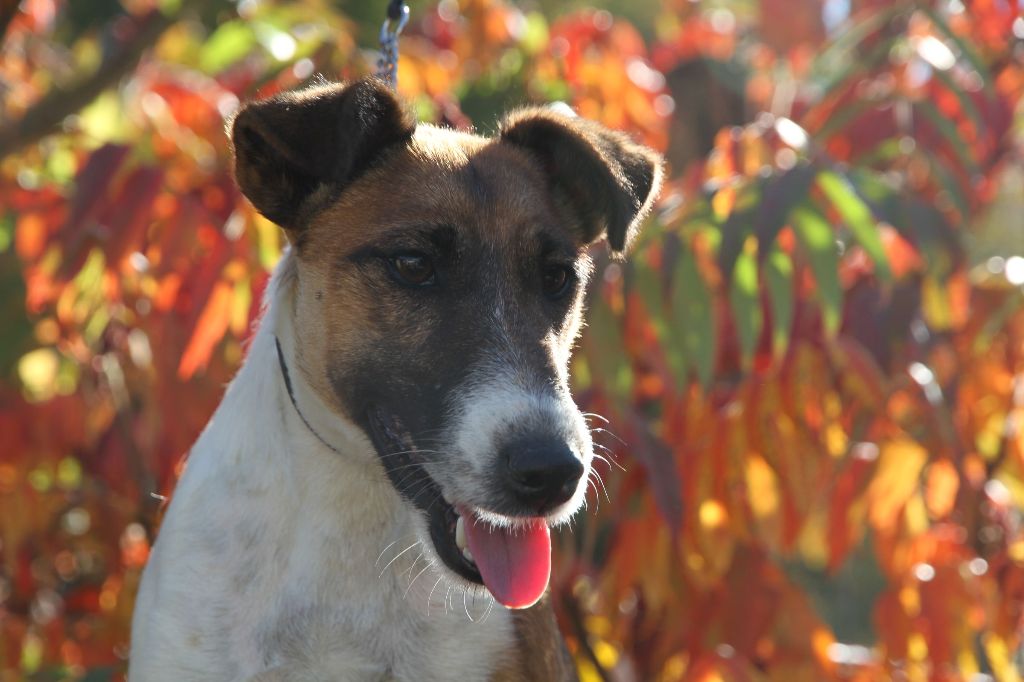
x=440, y=286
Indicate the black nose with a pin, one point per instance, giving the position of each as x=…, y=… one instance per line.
x=540, y=473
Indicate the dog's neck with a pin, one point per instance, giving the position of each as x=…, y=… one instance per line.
x=287, y=376
x=267, y=430
x=277, y=328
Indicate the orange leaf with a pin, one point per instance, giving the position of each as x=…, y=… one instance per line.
x=210, y=328
x=899, y=467
x=30, y=236
x=903, y=257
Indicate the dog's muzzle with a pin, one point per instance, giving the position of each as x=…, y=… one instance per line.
x=512, y=559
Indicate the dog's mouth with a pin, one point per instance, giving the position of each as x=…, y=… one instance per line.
x=513, y=561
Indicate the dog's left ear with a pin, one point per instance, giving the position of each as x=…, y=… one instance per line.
x=609, y=181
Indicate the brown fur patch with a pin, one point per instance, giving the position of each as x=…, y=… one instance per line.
x=539, y=652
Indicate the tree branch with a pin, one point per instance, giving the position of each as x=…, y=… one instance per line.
x=45, y=116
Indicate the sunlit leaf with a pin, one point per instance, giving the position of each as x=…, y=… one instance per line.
x=857, y=217
x=38, y=373
x=899, y=466
x=232, y=41
x=941, y=488
x=778, y=277
x=965, y=49
x=692, y=316
x=209, y=330
x=745, y=301
x=819, y=243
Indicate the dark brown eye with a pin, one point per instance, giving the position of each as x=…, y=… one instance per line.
x=413, y=269
x=555, y=280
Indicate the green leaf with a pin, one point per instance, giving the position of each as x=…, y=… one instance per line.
x=740, y=224
x=949, y=182
x=228, y=44
x=16, y=333
x=966, y=50
x=781, y=194
x=644, y=280
x=535, y=36
x=857, y=217
x=692, y=316
x=840, y=52
x=951, y=135
x=778, y=276
x=608, y=350
x=818, y=241
x=746, y=303
x=852, y=66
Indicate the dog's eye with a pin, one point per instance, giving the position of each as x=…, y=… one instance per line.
x=414, y=269
x=556, y=280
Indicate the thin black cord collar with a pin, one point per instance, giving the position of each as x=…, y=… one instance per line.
x=291, y=396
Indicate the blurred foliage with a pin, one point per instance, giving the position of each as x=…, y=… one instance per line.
x=812, y=367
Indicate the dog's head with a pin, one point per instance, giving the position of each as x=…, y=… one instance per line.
x=439, y=293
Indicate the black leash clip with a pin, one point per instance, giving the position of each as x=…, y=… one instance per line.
x=387, y=64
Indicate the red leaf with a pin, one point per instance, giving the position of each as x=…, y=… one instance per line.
x=132, y=213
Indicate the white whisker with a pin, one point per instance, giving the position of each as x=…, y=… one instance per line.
x=413, y=581
x=597, y=493
x=600, y=480
x=396, y=557
x=411, y=568
x=381, y=555
x=430, y=596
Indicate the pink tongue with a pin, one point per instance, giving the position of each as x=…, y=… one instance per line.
x=515, y=564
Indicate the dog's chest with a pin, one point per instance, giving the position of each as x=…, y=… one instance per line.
x=365, y=641
x=384, y=631
x=364, y=604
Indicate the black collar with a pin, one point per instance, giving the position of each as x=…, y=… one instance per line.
x=291, y=396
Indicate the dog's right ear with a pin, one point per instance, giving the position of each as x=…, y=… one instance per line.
x=290, y=148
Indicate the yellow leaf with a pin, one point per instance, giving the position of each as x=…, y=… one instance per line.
x=943, y=482
x=917, y=647
x=762, y=487
x=606, y=654
x=38, y=373
x=999, y=657
x=812, y=542
x=723, y=201
x=916, y=515
x=899, y=466
x=935, y=305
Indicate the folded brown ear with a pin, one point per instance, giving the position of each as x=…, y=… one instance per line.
x=292, y=146
x=608, y=180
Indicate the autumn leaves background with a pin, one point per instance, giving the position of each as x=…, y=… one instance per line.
x=812, y=365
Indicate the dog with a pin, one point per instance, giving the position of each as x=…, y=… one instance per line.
x=372, y=498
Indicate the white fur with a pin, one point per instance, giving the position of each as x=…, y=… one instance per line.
x=488, y=407
x=279, y=559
